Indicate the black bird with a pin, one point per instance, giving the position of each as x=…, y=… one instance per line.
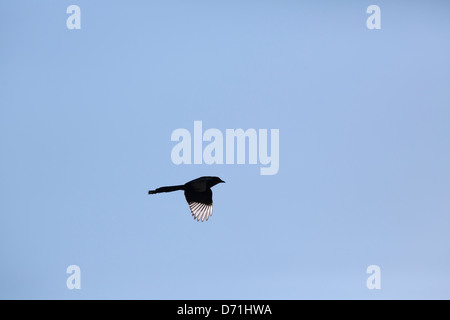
x=198, y=195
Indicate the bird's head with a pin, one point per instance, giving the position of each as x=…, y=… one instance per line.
x=215, y=180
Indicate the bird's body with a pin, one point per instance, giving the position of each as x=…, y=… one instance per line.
x=198, y=195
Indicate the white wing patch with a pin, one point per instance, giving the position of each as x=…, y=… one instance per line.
x=201, y=211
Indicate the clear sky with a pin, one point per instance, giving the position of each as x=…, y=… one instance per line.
x=86, y=118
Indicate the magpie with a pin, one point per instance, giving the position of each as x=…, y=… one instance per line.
x=198, y=195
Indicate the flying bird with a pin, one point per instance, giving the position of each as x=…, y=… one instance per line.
x=198, y=195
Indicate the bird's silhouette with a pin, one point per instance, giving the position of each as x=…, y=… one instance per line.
x=198, y=195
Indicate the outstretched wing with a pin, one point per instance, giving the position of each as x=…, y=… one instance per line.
x=201, y=211
x=200, y=203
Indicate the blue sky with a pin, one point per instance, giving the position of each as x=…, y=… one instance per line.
x=86, y=118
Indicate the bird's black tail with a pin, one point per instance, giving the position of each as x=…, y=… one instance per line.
x=167, y=189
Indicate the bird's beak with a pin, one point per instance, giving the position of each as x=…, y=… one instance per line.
x=221, y=181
